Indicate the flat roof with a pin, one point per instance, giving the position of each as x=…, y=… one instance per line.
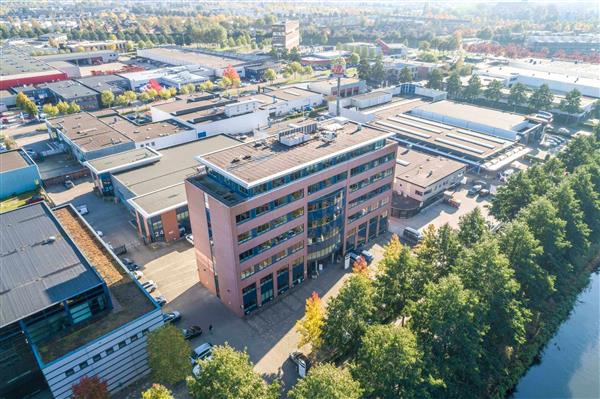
x=88, y=132
x=419, y=130
x=188, y=103
x=257, y=163
x=16, y=62
x=394, y=107
x=161, y=200
x=100, y=83
x=191, y=57
x=290, y=93
x=424, y=169
x=70, y=89
x=330, y=83
x=372, y=94
x=11, y=160
x=129, y=299
x=36, y=273
x=145, y=131
x=125, y=159
x=175, y=165
x=472, y=113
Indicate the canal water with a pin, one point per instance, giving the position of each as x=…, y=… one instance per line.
x=570, y=364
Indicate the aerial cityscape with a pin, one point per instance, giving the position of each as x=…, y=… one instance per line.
x=299, y=199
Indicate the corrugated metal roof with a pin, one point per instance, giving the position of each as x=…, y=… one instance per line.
x=36, y=272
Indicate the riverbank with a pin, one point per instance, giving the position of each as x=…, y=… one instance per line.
x=550, y=325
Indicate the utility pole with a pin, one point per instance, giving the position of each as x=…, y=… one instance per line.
x=339, y=83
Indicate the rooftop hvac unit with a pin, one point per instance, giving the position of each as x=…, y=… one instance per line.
x=328, y=136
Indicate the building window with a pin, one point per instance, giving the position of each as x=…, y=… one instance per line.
x=133, y=338
x=283, y=280
x=83, y=365
x=110, y=351
x=249, y=298
x=122, y=344
x=97, y=358
x=266, y=289
x=69, y=372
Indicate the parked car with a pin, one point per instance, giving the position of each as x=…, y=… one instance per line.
x=82, y=209
x=190, y=238
x=161, y=300
x=367, y=255
x=150, y=286
x=411, y=236
x=69, y=184
x=201, y=352
x=132, y=267
x=563, y=130
x=353, y=257
x=301, y=361
x=504, y=176
x=171, y=317
x=474, y=190
x=191, y=332
x=100, y=233
x=484, y=192
x=35, y=199
x=137, y=274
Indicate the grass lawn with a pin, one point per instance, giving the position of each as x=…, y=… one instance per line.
x=16, y=201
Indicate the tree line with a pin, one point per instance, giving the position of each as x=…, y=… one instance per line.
x=466, y=312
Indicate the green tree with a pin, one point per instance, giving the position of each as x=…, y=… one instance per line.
x=472, y=227
x=405, y=75
x=270, y=75
x=63, y=107
x=311, y=325
x=107, y=98
x=450, y=336
x=354, y=59
x=165, y=94
x=307, y=70
x=50, y=110
x=21, y=99
x=377, y=73
x=427, y=56
x=493, y=92
x=122, y=100
x=168, y=355
x=549, y=229
x=541, y=99
x=389, y=363
x=364, y=69
x=73, y=108
x=518, y=243
x=229, y=374
x=397, y=281
x=349, y=314
x=571, y=104
x=207, y=86
x=517, y=95
x=580, y=152
x=454, y=85
x=512, y=197
x=569, y=210
x=438, y=251
x=473, y=89
x=325, y=381
x=157, y=391
x=424, y=45
x=131, y=96
x=435, y=79
x=588, y=194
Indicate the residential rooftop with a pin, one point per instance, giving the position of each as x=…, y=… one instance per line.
x=254, y=162
x=175, y=165
x=129, y=299
x=11, y=160
x=423, y=169
x=37, y=271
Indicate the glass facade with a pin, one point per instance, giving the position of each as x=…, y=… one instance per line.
x=283, y=280
x=325, y=225
x=249, y=298
x=266, y=289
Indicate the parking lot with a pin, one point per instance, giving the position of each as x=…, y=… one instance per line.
x=440, y=213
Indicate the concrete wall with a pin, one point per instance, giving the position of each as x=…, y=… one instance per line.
x=118, y=369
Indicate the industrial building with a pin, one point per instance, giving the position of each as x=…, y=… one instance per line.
x=348, y=87
x=72, y=91
x=269, y=212
x=151, y=184
x=83, y=58
x=18, y=68
x=397, y=49
x=421, y=178
x=484, y=139
x=210, y=114
x=99, y=83
x=325, y=58
x=585, y=43
x=169, y=77
x=88, y=46
x=89, y=136
x=286, y=35
x=18, y=173
x=69, y=307
x=213, y=62
x=420, y=70
x=285, y=100
x=365, y=50
x=571, y=76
